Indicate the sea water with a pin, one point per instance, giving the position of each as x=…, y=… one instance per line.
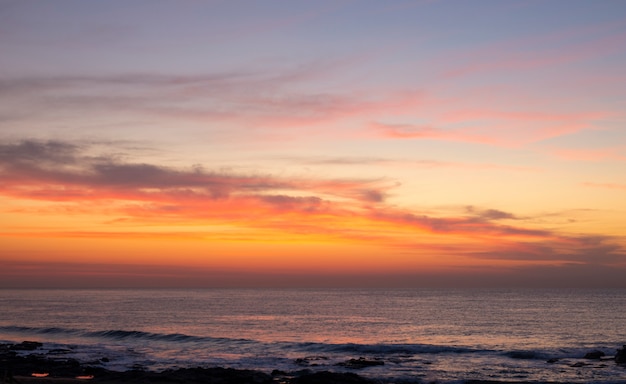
x=421, y=335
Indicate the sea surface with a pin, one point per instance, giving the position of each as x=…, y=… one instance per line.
x=422, y=335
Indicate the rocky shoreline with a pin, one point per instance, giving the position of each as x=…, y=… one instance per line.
x=23, y=364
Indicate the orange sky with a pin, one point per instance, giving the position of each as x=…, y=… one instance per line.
x=313, y=144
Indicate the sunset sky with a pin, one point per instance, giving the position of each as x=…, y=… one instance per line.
x=235, y=143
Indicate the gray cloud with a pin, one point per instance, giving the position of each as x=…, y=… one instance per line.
x=301, y=203
x=465, y=225
x=37, y=152
x=489, y=214
x=55, y=162
x=582, y=249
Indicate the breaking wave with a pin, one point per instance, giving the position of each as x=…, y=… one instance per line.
x=304, y=347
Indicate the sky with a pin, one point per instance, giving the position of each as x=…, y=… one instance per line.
x=192, y=143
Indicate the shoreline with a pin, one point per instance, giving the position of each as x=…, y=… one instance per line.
x=25, y=363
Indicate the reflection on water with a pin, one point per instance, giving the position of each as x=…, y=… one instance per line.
x=445, y=334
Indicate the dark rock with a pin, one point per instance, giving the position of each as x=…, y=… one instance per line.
x=522, y=355
x=310, y=361
x=17, y=365
x=579, y=364
x=331, y=378
x=301, y=362
x=216, y=376
x=278, y=372
x=620, y=355
x=7, y=354
x=594, y=355
x=301, y=372
x=59, y=351
x=92, y=362
x=361, y=363
x=187, y=375
x=26, y=365
x=26, y=346
x=552, y=360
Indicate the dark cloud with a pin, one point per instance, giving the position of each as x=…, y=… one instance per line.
x=494, y=214
x=292, y=203
x=61, y=162
x=587, y=250
x=459, y=225
x=490, y=214
x=140, y=176
x=40, y=163
x=372, y=195
x=36, y=152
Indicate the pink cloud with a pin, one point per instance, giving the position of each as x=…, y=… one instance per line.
x=409, y=131
x=494, y=127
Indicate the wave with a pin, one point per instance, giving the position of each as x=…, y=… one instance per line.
x=386, y=349
x=314, y=348
x=109, y=334
x=121, y=335
x=39, y=331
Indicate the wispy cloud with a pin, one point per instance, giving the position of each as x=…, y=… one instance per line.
x=479, y=226
x=490, y=214
x=410, y=131
x=399, y=163
x=274, y=104
x=537, y=51
x=494, y=127
x=272, y=100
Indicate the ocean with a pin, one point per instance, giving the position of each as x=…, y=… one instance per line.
x=419, y=335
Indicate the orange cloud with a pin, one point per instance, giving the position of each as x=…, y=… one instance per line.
x=259, y=221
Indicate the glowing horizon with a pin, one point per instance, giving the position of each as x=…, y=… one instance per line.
x=313, y=144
